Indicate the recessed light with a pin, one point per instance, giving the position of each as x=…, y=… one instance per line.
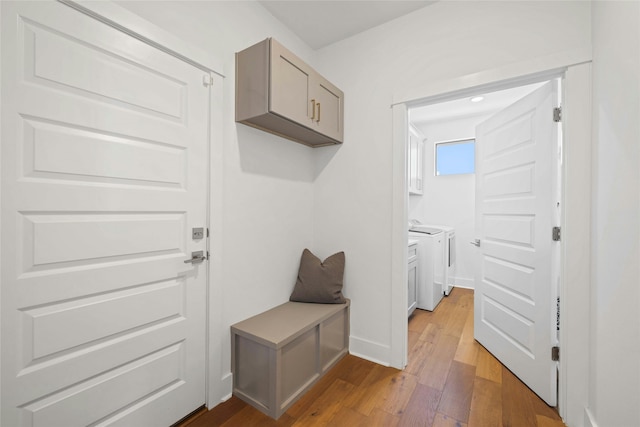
x=477, y=98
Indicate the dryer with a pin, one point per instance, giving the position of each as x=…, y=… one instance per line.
x=449, y=257
x=430, y=266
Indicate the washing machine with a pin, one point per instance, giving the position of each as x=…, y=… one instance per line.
x=430, y=266
x=449, y=249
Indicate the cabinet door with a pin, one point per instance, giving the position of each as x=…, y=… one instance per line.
x=419, y=166
x=412, y=164
x=289, y=84
x=327, y=101
x=415, y=168
x=412, y=284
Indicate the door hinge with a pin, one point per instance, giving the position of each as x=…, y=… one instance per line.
x=555, y=353
x=207, y=255
x=207, y=233
x=207, y=80
x=555, y=234
x=557, y=114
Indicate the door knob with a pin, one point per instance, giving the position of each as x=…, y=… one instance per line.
x=196, y=258
x=476, y=242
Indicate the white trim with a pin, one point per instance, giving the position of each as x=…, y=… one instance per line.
x=369, y=350
x=576, y=244
x=219, y=383
x=135, y=26
x=537, y=69
x=589, y=419
x=1, y=68
x=399, y=236
x=518, y=74
x=464, y=282
x=226, y=383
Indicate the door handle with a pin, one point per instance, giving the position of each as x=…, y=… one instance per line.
x=318, y=104
x=196, y=258
x=476, y=242
x=313, y=109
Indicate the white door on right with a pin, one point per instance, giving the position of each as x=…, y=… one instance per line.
x=515, y=288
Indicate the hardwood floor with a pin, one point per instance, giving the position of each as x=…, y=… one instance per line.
x=450, y=380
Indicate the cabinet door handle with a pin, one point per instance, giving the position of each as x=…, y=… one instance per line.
x=313, y=109
x=318, y=120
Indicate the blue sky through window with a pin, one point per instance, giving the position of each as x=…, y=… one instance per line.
x=455, y=157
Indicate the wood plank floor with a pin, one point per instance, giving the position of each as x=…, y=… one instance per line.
x=450, y=380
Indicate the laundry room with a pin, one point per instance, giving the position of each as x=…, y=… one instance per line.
x=441, y=162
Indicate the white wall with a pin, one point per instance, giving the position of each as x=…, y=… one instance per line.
x=280, y=197
x=615, y=329
x=450, y=199
x=353, y=194
x=267, y=182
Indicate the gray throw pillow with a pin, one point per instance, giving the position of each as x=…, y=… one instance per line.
x=319, y=282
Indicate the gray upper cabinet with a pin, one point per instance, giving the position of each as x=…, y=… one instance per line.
x=279, y=93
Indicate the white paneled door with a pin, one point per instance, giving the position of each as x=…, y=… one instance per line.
x=515, y=288
x=104, y=175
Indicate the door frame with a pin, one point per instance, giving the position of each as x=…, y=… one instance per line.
x=125, y=21
x=575, y=68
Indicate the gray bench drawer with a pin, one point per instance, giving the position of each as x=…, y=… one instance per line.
x=279, y=354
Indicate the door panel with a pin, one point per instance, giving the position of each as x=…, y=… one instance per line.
x=80, y=237
x=158, y=371
x=105, y=158
x=102, y=74
x=516, y=153
x=104, y=174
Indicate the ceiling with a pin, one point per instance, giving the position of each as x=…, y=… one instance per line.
x=463, y=107
x=322, y=22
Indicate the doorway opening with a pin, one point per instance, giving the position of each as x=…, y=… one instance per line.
x=503, y=209
x=576, y=221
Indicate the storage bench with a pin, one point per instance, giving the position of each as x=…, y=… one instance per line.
x=276, y=356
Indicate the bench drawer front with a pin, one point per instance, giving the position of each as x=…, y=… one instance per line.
x=299, y=365
x=272, y=369
x=252, y=369
x=333, y=339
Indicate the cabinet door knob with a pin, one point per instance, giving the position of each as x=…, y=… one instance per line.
x=313, y=109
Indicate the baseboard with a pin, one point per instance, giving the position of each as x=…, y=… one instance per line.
x=369, y=350
x=463, y=282
x=226, y=385
x=222, y=392
x=589, y=419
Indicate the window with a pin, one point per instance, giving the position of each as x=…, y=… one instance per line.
x=455, y=157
